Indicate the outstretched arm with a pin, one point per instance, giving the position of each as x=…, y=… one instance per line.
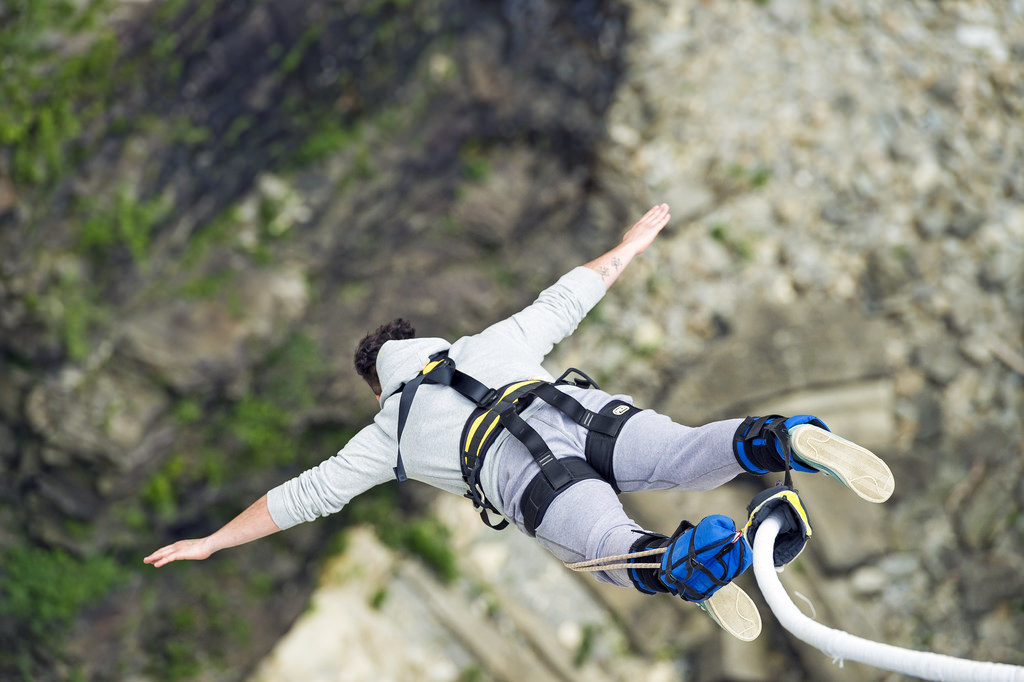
x=252, y=524
x=634, y=241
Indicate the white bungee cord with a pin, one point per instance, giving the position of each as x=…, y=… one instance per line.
x=840, y=645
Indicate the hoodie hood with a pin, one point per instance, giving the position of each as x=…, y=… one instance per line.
x=400, y=361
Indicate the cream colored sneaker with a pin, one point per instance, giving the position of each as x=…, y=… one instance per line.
x=734, y=611
x=857, y=468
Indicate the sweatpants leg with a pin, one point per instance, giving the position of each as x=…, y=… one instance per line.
x=653, y=452
x=587, y=520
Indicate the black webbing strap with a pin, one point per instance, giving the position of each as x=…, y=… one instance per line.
x=440, y=370
x=482, y=426
x=502, y=408
x=693, y=565
x=565, y=403
x=405, y=403
x=479, y=433
x=539, y=493
x=755, y=457
x=600, y=447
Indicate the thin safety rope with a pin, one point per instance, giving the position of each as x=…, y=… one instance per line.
x=607, y=563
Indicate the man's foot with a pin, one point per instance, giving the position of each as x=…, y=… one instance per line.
x=734, y=611
x=857, y=468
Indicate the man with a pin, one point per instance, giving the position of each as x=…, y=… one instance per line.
x=537, y=463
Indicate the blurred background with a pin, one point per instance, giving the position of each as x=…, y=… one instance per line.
x=205, y=204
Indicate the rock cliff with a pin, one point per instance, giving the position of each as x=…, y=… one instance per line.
x=204, y=204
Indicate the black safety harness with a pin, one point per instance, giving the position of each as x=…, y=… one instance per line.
x=498, y=409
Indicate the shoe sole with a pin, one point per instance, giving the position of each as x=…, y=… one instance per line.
x=857, y=468
x=734, y=611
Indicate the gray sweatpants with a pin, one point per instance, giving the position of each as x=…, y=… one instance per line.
x=652, y=452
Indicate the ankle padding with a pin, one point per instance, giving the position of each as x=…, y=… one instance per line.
x=757, y=447
x=646, y=579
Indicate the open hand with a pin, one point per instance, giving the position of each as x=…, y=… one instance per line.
x=182, y=549
x=647, y=228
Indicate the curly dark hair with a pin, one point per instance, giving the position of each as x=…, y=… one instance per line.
x=366, y=352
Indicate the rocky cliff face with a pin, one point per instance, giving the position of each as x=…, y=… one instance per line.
x=206, y=204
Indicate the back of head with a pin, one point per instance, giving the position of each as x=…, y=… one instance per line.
x=366, y=353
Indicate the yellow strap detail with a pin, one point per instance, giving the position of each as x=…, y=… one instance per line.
x=473, y=428
x=479, y=420
x=431, y=365
x=794, y=500
x=514, y=387
x=487, y=433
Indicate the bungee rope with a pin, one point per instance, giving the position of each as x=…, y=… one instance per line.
x=840, y=645
x=837, y=644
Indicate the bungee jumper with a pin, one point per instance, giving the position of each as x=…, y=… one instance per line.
x=482, y=418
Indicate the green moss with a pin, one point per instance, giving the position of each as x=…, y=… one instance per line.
x=760, y=176
x=128, y=223
x=187, y=411
x=159, y=494
x=291, y=370
x=585, y=649
x=720, y=233
x=430, y=540
x=328, y=138
x=184, y=131
x=43, y=590
x=755, y=177
x=262, y=429
x=189, y=632
x=473, y=673
x=475, y=165
x=209, y=286
x=294, y=57
x=72, y=312
x=214, y=233
x=378, y=598
x=424, y=537
x=47, y=101
x=238, y=127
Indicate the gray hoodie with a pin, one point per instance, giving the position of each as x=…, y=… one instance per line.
x=511, y=350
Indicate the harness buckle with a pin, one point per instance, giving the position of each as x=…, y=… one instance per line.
x=489, y=398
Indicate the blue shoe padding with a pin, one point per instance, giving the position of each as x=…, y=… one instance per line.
x=795, y=458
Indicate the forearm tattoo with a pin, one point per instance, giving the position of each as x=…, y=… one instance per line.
x=607, y=271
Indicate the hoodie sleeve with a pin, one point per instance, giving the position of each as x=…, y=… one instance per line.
x=326, y=488
x=555, y=314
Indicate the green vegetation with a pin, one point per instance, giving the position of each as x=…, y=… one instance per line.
x=128, y=223
x=475, y=165
x=585, y=649
x=71, y=311
x=43, y=590
x=473, y=673
x=259, y=431
x=205, y=608
x=424, y=537
x=378, y=598
x=740, y=249
x=291, y=60
x=328, y=138
x=754, y=178
x=47, y=103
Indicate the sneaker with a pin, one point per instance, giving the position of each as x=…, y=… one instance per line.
x=857, y=468
x=734, y=611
